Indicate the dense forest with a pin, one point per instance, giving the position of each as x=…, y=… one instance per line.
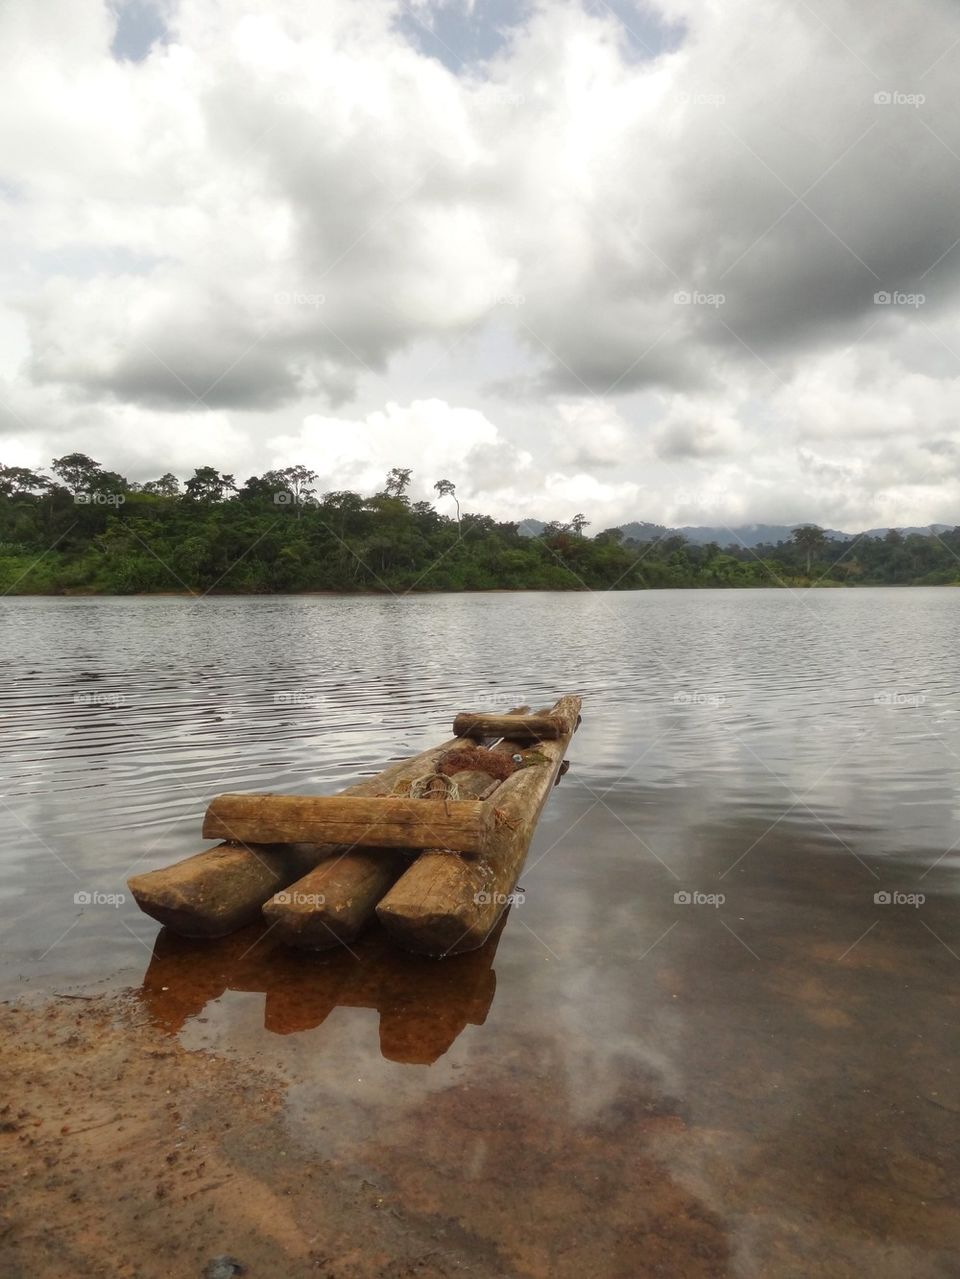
x=82, y=528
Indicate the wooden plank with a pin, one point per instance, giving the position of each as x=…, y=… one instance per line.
x=445, y=904
x=528, y=728
x=357, y=820
x=210, y=894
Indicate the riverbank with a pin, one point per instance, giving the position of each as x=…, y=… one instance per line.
x=370, y=592
x=123, y=1154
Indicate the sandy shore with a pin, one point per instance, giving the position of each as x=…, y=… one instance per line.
x=124, y=1155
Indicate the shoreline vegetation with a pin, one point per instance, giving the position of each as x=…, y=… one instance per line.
x=83, y=530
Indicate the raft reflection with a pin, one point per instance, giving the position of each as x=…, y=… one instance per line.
x=424, y=1004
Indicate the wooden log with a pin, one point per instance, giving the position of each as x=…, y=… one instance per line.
x=211, y=893
x=445, y=904
x=528, y=728
x=356, y=820
x=221, y=889
x=333, y=903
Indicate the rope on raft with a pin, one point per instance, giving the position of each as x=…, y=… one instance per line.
x=420, y=787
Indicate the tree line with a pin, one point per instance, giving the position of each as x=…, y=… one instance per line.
x=82, y=528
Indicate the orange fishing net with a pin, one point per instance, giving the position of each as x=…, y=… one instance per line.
x=494, y=763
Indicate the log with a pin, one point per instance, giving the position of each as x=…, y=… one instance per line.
x=333, y=903
x=446, y=904
x=529, y=728
x=361, y=822
x=190, y=896
x=219, y=890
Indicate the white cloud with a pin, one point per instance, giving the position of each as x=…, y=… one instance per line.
x=435, y=439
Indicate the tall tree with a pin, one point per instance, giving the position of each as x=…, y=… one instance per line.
x=167, y=486
x=579, y=523
x=446, y=488
x=397, y=481
x=16, y=480
x=299, y=481
x=810, y=540
x=208, y=485
x=79, y=473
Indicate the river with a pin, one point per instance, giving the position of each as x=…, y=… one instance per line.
x=718, y=1034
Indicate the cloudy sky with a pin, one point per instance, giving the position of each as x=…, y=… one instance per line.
x=694, y=261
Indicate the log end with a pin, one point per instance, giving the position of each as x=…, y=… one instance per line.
x=215, y=892
x=319, y=928
x=439, y=907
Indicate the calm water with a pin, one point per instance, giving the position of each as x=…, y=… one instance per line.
x=704, y=1044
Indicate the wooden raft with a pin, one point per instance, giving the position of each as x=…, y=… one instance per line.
x=333, y=903
x=217, y=891
x=438, y=869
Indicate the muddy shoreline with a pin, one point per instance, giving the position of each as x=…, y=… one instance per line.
x=124, y=1154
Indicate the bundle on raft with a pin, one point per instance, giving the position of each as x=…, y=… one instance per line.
x=432, y=845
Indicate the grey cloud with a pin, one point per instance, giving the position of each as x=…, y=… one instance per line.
x=690, y=440
x=278, y=215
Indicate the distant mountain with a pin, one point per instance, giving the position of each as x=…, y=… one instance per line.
x=924, y=531
x=644, y=531
x=739, y=535
x=770, y=534
x=751, y=534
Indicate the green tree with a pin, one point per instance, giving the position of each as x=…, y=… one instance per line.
x=167, y=486
x=208, y=485
x=299, y=481
x=446, y=488
x=17, y=480
x=398, y=480
x=79, y=473
x=810, y=541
